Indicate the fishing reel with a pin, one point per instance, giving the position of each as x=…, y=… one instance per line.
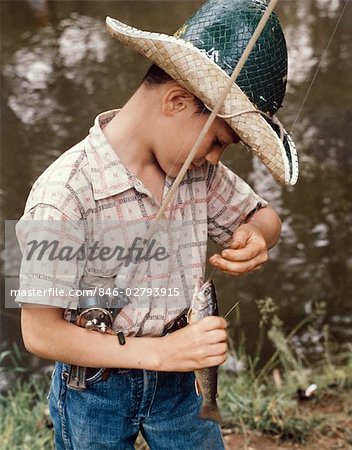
x=97, y=312
x=96, y=318
x=94, y=313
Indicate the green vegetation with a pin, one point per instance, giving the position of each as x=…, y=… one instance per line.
x=263, y=397
x=25, y=422
x=260, y=396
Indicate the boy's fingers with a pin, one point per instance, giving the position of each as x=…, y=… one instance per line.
x=217, y=349
x=239, y=239
x=216, y=336
x=214, y=258
x=211, y=323
x=234, y=256
x=240, y=267
x=243, y=254
x=237, y=244
x=216, y=360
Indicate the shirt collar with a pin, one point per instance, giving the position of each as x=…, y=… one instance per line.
x=109, y=176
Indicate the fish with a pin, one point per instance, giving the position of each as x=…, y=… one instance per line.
x=204, y=304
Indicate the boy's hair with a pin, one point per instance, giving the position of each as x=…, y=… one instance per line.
x=156, y=77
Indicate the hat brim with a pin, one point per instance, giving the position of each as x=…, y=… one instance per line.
x=198, y=73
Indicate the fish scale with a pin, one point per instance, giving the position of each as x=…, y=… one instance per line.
x=204, y=304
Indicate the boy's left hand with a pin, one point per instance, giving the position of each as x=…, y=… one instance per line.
x=248, y=251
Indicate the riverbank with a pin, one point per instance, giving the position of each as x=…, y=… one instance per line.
x=321, y=423
x=282, y=402
x=288, y=401
x=329, y=419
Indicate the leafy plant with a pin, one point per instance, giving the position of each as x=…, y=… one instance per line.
x=252, y=398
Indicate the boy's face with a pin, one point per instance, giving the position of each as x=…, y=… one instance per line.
x=181, y=126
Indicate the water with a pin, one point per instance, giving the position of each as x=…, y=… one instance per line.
x=60, y=68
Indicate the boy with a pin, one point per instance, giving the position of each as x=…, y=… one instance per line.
x=122, y=171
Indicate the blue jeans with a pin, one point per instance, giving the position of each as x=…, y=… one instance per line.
x=109, y=414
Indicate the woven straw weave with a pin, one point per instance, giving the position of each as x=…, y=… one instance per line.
x=206, y=80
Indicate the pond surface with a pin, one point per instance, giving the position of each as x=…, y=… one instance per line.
x=60, y=69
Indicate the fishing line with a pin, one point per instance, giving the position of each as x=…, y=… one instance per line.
x=230, y=311
x=300, y=109
x=185, y=139
x=319, y=64
x=212, y=117
x=161, y=212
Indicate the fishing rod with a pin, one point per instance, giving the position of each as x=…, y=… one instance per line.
x=212, y=117
x=161, y=212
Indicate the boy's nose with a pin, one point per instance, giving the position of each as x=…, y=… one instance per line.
x=213, y=157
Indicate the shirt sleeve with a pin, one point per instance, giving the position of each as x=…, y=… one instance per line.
x=53, y=248
x=230, y=201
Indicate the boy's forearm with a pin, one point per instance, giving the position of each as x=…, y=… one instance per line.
x=47, y=335
x=269, y=224
x=59, y=340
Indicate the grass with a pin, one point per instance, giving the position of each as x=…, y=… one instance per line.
x=262, y=396
x=25, y=422
x=245, y=404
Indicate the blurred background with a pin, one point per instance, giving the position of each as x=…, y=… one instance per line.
x=60, y=68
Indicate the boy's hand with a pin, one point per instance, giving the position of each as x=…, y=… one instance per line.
x=248, y=251
x=198, y=345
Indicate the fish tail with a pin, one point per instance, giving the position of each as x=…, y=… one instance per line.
x=210, y=412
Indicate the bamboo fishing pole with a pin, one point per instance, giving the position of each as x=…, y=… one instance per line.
x=212, y=116
x=208, y=124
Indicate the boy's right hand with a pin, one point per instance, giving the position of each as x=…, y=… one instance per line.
x=198, y=345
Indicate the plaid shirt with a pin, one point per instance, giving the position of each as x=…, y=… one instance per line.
x=89, y=183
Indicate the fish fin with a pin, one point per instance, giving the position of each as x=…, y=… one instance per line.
x=210, y=412
x=198, y=387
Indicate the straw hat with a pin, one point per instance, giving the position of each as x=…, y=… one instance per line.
x=203, y=54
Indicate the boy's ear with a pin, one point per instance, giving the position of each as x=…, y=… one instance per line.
x=176, y=99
